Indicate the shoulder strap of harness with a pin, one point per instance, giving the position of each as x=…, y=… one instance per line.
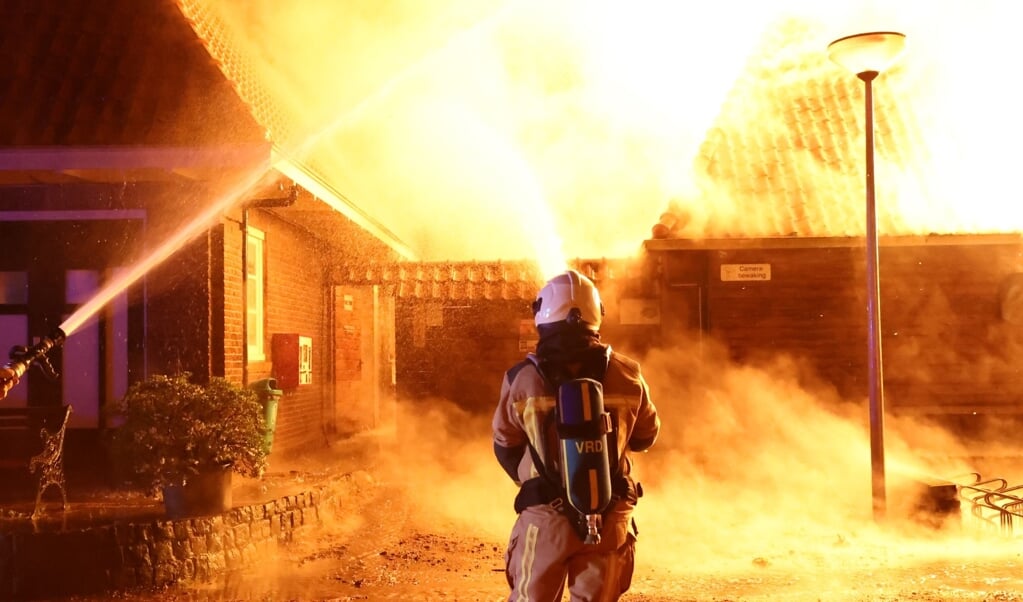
x=553, y=375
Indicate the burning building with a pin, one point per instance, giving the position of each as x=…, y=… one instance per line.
x=139, y=211
x=777, y=266
x=115, y=134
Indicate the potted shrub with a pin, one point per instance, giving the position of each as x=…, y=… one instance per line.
x=186, y=440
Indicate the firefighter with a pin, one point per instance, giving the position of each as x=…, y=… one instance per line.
x=548, y=547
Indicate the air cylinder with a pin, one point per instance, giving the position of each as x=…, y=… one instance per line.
x=583, y=426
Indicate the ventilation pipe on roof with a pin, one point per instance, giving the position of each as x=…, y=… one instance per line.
x=665, y=226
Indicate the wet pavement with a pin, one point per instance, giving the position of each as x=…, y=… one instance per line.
x=384, y=553
x=401, y=535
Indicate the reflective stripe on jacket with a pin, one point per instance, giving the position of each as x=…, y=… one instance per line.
x=524, y=412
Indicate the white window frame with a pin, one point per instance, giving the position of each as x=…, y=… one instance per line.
x=255, y=242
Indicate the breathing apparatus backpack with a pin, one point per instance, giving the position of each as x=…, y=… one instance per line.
x=583, y=426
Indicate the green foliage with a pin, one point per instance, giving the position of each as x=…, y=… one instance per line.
x=172, y=429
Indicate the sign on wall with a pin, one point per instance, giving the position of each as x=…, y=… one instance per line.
x=305, y=360
x=528, y=337
x=732, y=272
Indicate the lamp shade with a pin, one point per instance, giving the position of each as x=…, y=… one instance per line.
x=866, y=52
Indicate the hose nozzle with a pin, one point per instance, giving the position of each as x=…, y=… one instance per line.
x=24, y=357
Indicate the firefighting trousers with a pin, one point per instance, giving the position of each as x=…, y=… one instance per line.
x=545, y=554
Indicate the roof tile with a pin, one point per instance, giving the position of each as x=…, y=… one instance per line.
x=786, y=151
x=116, y=73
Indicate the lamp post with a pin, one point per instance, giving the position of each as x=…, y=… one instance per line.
x=867, y=55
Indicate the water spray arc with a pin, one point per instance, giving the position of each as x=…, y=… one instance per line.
x=185, y=234
x=24, y=357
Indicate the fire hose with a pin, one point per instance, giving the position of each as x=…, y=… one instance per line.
x=22, y=358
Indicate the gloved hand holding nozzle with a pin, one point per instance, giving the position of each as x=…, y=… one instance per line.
x=8, y=378
x=24, y=357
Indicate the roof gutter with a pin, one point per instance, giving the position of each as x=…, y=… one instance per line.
x=818, y=242
x=311, y=181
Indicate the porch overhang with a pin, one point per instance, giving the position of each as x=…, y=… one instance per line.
x=59, y=165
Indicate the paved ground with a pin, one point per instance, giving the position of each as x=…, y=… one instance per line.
x=387, y=553
x=406, y=531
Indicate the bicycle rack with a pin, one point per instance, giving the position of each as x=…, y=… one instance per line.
x=992, y=502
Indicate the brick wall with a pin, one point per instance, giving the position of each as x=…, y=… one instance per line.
x=197, y=309
x=126, y=555
x=812, y=307
x=949, y=347
x=459, y=349
x=233, y=305
x=295, y=298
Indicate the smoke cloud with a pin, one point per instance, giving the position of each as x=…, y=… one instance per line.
x=488, y=119
x=468, y=126
x=757, y=467
x=762, y=473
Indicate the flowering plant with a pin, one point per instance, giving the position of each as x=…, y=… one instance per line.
x=172, y=429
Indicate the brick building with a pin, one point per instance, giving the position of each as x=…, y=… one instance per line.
x=769, y=258
x=123, y=145
x=120, y=127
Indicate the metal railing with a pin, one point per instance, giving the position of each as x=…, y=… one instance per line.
x=992, y=502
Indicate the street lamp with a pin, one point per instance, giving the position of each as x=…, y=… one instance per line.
x=867, y=55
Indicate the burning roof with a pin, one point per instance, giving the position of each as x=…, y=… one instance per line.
x=127, y=74
x=119, y=92
x=543, y=130
x=590, y=118
x=785, y=156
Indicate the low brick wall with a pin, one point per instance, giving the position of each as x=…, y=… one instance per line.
x=120, y=556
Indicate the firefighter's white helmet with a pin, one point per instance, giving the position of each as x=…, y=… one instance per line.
x=569, y=297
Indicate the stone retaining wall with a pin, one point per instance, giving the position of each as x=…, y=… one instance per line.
x=119, y=556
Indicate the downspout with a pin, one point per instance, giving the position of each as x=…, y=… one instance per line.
x=287, y=201
x=329, y=351
x=245, y=300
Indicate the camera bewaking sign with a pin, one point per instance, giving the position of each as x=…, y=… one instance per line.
x=732, y=272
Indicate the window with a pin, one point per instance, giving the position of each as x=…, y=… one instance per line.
x=13, y=288
x=254, y=242
x=95, y=362
x=14, y=326
x=80, y=378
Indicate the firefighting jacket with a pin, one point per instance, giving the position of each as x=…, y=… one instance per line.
x=527, y=402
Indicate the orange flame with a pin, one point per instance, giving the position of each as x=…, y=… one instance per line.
x=598, y=111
